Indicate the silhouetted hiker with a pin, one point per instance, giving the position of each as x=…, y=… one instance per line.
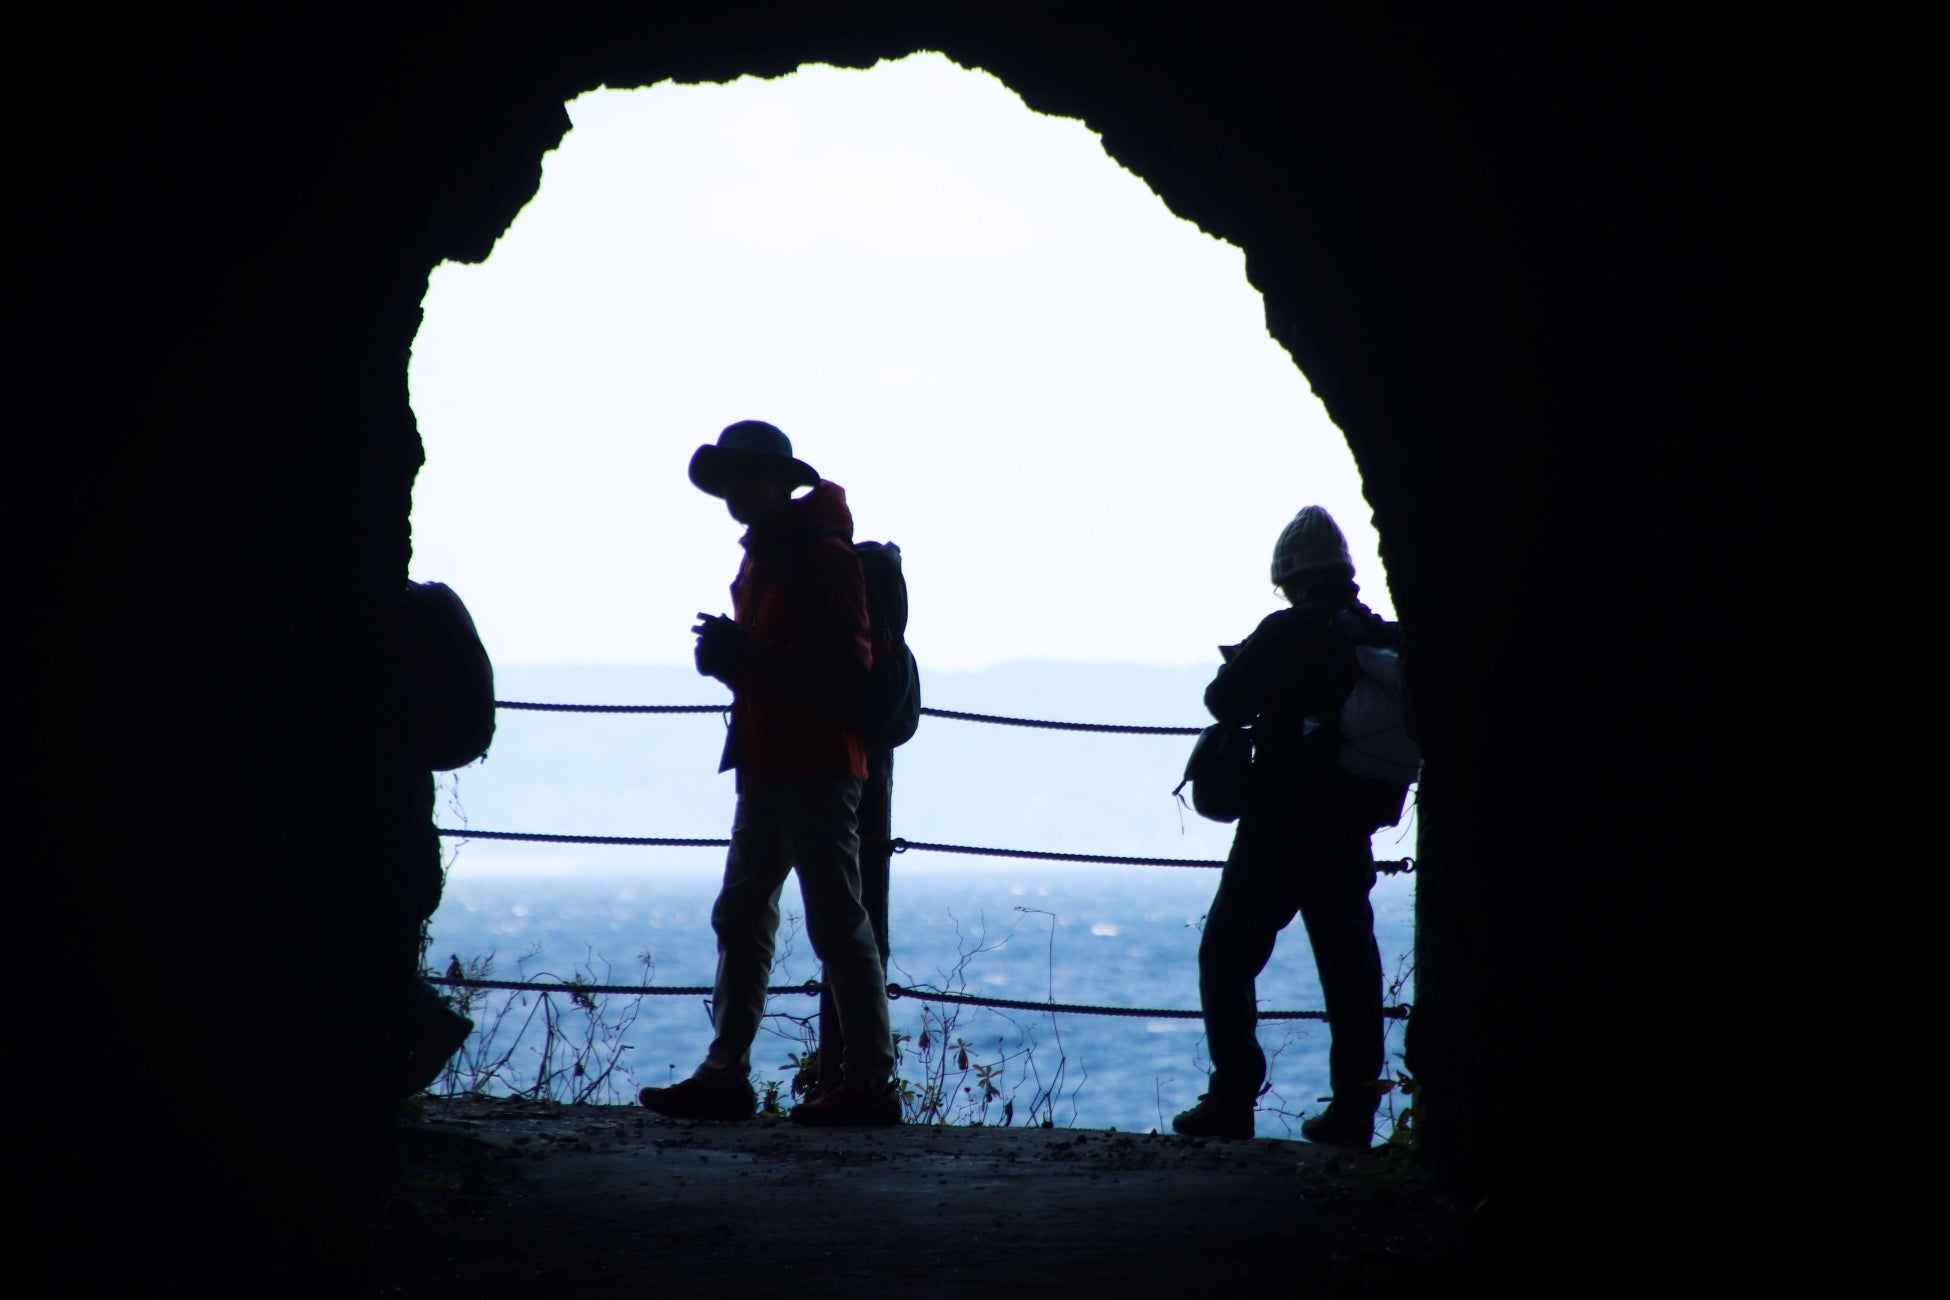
x=890, y=713
x=876, y=869
x=447, y=687
x=1302, y=843
x=796, y=658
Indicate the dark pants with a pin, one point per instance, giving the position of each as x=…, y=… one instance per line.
x=806, y=828
x=1278, y=867
x=876, y=828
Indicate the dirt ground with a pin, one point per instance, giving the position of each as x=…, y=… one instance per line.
x=504, y=1198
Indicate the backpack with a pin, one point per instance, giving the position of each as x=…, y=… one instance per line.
x=1219, y=771
x=890, y=707
x=448, y=680
x=1375, y=740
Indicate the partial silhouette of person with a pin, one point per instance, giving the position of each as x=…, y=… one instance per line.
x=1302, y=844
x=889, y=717
x=876, y=871
x=447, y=709
x=796, y=656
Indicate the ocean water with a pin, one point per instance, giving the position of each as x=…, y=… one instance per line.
x=1113, y=936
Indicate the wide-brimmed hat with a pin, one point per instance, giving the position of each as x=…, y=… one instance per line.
x=748, y=447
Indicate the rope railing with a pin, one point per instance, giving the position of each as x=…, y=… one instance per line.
x=542, y=837
x=533, y=707
x=813, y=988
x=898, y=844
x=1045, y=724
x=1118, y=728
x=1385, y=866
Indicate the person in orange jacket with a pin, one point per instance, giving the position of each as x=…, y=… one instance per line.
x=796, y=657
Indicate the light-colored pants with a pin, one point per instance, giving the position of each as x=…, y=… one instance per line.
x=810, y=826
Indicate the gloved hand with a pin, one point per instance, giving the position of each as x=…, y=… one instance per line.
x=721, y=645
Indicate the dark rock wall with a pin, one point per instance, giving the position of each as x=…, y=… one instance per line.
x=1507, y=252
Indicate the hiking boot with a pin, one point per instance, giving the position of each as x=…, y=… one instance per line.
x=851, y=1107
x=1340, y=1125
x=733, y=1099
x=1216, y=1117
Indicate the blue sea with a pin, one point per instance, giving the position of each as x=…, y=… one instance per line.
x=1111, y=936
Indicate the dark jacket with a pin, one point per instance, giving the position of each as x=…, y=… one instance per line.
x=802, y=600
x=1289, y=680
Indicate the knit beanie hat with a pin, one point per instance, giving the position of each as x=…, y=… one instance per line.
x=1311, y=547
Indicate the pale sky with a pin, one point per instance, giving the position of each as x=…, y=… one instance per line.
x=1060, y=399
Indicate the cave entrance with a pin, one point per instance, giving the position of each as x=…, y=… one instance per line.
x=1060, y=397
x=1022, y=367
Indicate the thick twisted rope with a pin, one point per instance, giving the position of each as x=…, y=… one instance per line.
x=533, y=707
x=1122, y=729
x=900, y=845
x=1044, y=724
x=575, y=988
x=538, y=837
x=1386, y=866
x=1086, y=1009
x=813, y=988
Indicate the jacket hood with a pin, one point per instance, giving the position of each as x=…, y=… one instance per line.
x=823, y=508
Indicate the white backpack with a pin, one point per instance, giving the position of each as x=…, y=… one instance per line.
x=1374, y=730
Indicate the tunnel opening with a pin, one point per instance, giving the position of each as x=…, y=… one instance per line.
x=1023, y=368
x=1513, y=255
x=884, y=258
